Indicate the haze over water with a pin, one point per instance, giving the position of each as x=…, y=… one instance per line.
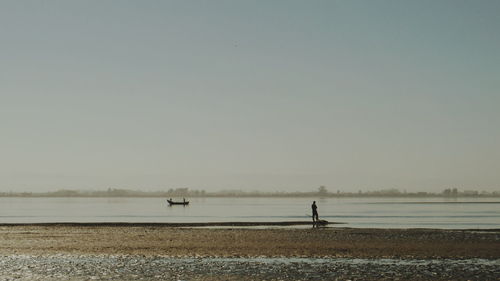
x=267, y=95
x=354, y=212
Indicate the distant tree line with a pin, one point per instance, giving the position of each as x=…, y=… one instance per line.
x=186, y=192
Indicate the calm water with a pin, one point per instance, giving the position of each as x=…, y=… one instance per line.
x=355, y=212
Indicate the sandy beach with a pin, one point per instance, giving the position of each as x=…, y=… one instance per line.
x=158, y=252
x=148, y=239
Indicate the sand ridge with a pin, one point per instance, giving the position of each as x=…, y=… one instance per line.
x=244, y=242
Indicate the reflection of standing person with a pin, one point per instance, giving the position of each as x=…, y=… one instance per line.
x=315, y=211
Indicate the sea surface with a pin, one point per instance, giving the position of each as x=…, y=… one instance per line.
x=459, y=213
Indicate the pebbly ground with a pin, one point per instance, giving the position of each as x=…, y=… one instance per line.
x=238, y=242
x=138, y=252
x=133, y=267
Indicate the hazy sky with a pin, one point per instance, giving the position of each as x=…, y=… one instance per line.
x=257, y=95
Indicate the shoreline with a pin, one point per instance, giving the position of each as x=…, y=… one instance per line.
x=236, y=224
x=168, y=224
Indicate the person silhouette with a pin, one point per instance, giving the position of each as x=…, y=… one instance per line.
x=315, y=212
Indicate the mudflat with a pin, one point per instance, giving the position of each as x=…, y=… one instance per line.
x=331, y=242
x=173, y=252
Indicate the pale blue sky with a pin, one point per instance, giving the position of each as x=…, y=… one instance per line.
x=266, y=95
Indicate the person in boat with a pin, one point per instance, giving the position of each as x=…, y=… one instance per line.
x=315, y=212
x=184, y=200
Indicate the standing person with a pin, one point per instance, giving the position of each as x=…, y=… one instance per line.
x=315, y=212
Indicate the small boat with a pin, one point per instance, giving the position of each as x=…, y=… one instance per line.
x=170, y=202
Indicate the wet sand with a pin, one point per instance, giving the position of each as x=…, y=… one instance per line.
x=150, y=239
x=160, y=252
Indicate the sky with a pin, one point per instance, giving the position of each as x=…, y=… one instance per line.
x=251, y=95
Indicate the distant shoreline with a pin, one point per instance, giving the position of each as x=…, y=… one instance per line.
x=322, y=192
x=333, y=196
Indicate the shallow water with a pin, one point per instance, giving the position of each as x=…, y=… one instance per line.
x=481, y=213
